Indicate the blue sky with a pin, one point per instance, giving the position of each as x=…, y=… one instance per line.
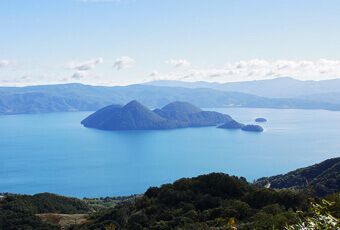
x=130, y=41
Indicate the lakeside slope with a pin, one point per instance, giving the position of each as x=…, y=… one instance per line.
x=202, y=202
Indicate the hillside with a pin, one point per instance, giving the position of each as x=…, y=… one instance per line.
x=19, y=211
x=78, y=97
x=205, y=202
x=323, y=178
x=190, y=116
x=132, y=116
x=135, y=116
x=231, y=125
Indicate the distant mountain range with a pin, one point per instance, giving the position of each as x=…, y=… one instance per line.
x=284, y=87
x=135, y=116
x=323, y=178
x=78, y=97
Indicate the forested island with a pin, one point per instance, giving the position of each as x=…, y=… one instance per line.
x=212, y=201
x=135, y=116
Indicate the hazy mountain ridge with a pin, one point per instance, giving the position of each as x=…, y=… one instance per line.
x=283, y=87
x=78, y=97
x=333, y=98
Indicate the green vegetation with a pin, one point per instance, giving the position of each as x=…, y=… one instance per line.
x=97, y=204
x=209, y=201
x=323, y=178
x=322, y=218
x=19, y=211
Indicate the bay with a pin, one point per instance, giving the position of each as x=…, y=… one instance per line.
x=55, y=153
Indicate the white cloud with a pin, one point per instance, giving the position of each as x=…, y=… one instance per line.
x=124, y=62
x=153, y=74
x=260, y=69
x=6, y=63
x=85, y=65
x=178, y=63
x=243, y=70
x=79, y=75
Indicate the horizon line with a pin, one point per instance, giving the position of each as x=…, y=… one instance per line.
x=160, y=80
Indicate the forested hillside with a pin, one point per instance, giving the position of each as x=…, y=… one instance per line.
x=322, y=178
x=19, y=211
x=208, y=201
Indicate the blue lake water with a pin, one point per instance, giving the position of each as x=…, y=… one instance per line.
x=54, y=153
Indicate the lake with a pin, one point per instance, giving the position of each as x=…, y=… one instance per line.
x=55, y=153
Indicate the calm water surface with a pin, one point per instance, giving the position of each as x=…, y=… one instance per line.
x=54, y=153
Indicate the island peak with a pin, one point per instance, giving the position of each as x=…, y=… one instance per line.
x=181, y=106
x=135, y=116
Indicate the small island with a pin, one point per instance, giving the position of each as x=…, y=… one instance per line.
x=231, y=125
x=252, y=128
x=236, y=125
x=260, y=120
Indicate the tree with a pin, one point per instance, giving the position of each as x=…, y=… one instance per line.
x=321, y=219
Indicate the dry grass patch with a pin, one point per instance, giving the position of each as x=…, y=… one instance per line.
x=63, y=220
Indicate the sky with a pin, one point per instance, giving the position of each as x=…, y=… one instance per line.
x=120, y=42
